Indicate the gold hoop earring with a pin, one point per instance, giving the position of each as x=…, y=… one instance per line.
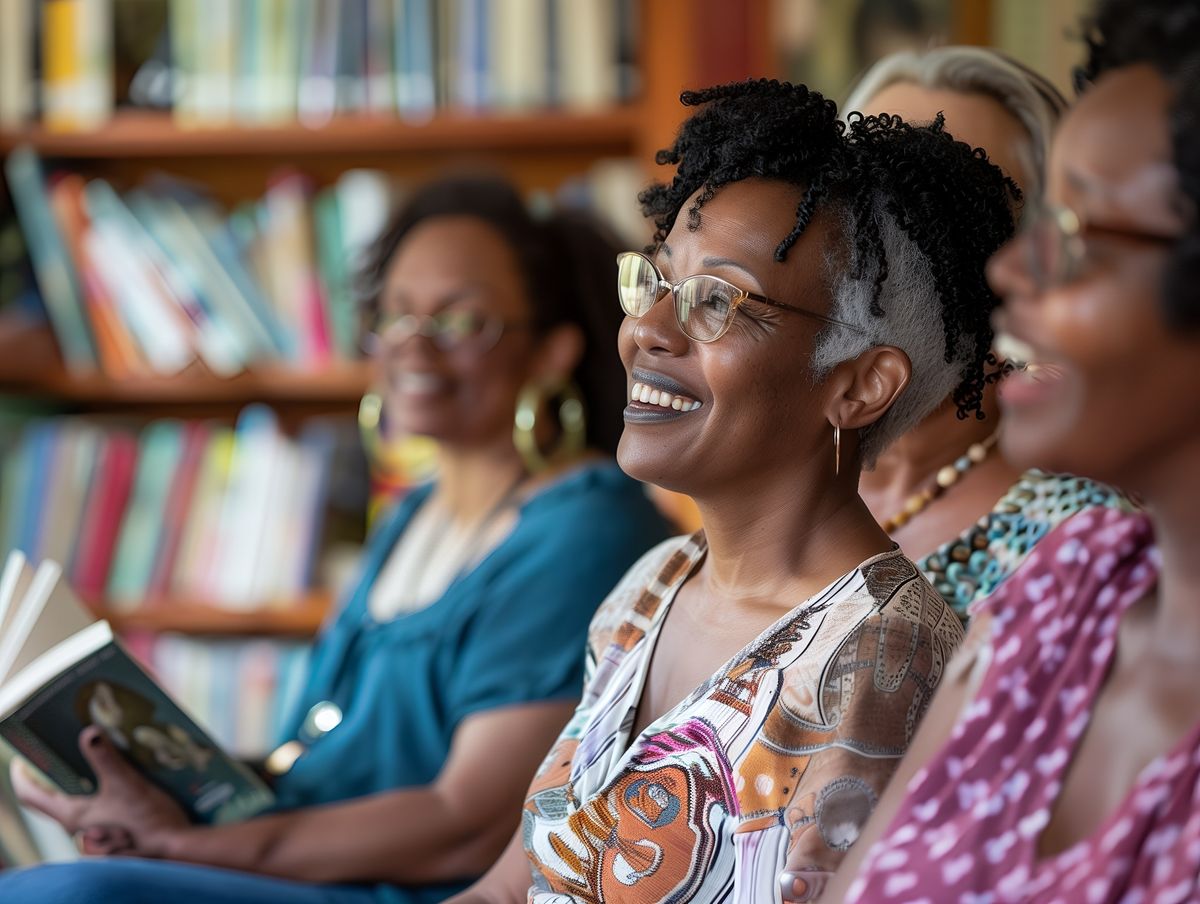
x=572, y=420
x=403, y=461
x=837, y=449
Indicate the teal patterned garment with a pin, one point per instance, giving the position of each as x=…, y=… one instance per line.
x=971, y=566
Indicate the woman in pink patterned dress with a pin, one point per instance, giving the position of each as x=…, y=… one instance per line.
x=1061, y=759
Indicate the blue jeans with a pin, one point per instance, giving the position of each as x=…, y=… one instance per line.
x=126, y=881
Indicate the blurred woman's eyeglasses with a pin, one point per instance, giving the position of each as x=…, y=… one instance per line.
x=452, y=329
x=1058, y=243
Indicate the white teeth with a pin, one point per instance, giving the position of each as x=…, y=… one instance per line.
x=647, y=395
x=418, y=382
x=1013, y=349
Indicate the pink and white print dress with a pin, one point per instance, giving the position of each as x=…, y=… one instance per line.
x=968, y=828
x=785, y=748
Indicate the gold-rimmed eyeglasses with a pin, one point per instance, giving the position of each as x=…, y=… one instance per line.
x=705, y=306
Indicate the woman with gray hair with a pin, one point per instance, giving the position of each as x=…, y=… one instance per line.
x=812, y=291
x=966, y=516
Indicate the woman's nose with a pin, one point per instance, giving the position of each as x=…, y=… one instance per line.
x=1008, y=271
x=657, y=331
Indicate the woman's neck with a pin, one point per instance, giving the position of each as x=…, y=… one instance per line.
x=1173, y=499
x=472, y=480
x=910, y=462
x=786, y=541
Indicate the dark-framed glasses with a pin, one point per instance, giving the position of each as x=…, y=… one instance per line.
x=451, y=329
x=1057, y=239
x=705, y=306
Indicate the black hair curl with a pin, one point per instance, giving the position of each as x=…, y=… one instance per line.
x=948, y=199
x=1164, y=34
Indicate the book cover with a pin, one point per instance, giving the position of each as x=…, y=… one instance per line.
x=89, y=679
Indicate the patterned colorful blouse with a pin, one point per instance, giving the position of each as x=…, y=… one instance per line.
x=786, y=747
x=971, y=566
x=969, y=826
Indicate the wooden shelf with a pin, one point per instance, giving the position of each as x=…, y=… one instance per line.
x=156, y=135
x=293, y=619
x=342, y=383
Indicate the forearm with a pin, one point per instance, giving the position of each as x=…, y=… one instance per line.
x=507, y=882
x=411, y=836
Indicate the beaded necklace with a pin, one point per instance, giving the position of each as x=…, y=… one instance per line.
x=946, y=477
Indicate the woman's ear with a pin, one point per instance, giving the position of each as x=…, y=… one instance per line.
x=558, y=354
x=868, y=386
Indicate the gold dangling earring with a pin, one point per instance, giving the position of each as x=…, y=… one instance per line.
x=572, y=421
x=395, y=463
x=837, y=449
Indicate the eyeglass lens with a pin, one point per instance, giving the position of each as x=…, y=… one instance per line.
x=702, y=303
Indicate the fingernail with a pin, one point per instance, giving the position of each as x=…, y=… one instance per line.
x=795, y=887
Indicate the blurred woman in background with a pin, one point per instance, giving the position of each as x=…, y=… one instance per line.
x=458, y=657
x=942, y=490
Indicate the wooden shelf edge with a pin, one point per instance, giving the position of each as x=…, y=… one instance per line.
x=156, y=135
x=296, y=619
x=345, y=382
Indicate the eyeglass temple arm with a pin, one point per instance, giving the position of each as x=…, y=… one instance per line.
x=762, y=299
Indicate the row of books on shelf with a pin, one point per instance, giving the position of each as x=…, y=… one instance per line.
x=230, y=517
x=268, y=61
x=146, y=282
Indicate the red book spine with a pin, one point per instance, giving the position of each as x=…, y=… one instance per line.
x=111, y=485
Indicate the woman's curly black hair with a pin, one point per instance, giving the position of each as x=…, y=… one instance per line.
x=945, y=197
x=1166, y=35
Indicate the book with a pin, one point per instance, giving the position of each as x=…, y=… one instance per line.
x=51, y=263
x=61, y=671
x=16, y=62
x=77, y=63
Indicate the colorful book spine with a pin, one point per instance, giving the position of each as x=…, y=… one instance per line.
x=56, y=278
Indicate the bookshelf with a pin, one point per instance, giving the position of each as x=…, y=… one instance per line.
x=292, y=618
x=682, y=44
x=145, y=135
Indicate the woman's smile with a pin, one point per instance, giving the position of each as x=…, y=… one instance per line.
x=657, y=397
x=1035, y=378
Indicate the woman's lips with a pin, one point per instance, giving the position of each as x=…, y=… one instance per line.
x=655, y=397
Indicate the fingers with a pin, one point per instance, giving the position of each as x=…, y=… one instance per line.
x=106, y=761
x=34, y=793
x=105, y=841
x=799, y=887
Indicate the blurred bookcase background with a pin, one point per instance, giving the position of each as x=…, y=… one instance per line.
x=187, y=190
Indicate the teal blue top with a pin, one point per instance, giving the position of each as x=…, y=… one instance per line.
x=511, y=630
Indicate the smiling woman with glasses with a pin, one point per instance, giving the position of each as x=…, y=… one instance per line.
x=458, y=655
x=810, y=293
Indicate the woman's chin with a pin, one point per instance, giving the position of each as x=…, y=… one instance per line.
x=650, y=463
